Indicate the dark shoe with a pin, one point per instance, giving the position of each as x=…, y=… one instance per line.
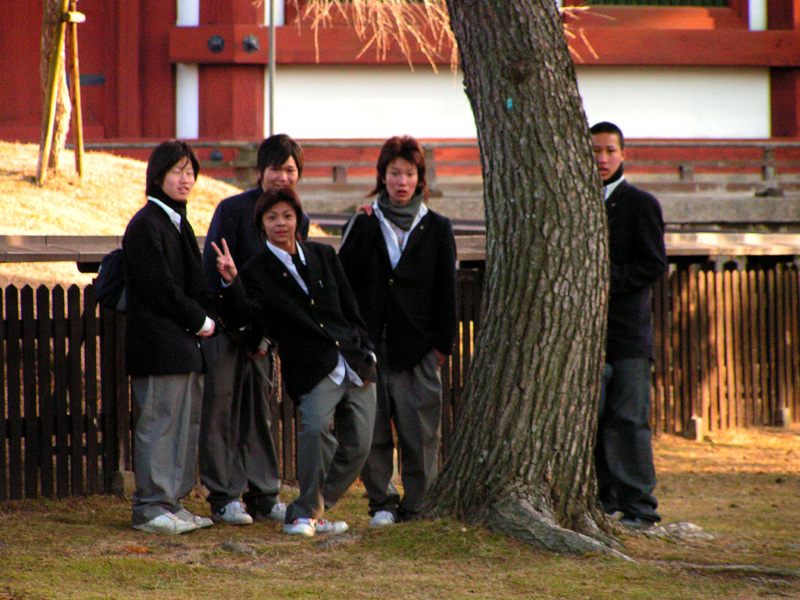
x=276, y=513
x=636, y=523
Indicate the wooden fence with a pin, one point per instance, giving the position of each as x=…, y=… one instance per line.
x=727, y=356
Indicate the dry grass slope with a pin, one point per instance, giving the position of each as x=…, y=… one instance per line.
x=111, y=192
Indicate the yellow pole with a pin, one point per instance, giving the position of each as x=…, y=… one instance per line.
x=73, y=18
x=56, y=65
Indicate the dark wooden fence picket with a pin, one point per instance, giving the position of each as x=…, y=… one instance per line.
x=726, y=355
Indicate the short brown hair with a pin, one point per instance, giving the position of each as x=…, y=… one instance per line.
x=407, y=148
x=275, y=196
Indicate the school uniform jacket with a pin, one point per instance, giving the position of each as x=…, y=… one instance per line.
x=312, y=329
x=414, y=303
x=638, y=259
x=162, y=320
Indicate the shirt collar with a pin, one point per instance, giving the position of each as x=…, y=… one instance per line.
x=173, y=216
x=284, y=256
x=609, y=189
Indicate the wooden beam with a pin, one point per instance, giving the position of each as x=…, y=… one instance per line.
x=613, y=46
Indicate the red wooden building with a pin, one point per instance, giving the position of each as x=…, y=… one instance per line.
x=130, y=51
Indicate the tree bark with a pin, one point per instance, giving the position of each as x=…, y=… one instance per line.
x=52, y=20
x=521, y=461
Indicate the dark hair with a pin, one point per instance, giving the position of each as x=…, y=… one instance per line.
x=165, y=156
x=407, y=148
x=276, y=150
x=606, y=127
x=275, y=196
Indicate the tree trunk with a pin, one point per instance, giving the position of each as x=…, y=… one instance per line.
x=52, y=20
x=521, y=461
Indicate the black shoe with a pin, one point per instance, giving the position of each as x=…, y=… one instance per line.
x=636, y=523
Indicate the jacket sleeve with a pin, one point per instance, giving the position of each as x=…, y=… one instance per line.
x=446, y=324
x=242, y=309
x=650, y=255
x=222, y=226
x=354, y=252
x=347, y=300
x=151, y=277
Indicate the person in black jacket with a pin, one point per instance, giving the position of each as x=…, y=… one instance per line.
x=624, y=454
x=167, y=315
x=296, y=293
x=400, y=259
x=237, y=452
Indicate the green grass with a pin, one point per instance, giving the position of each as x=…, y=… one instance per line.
x=84, y=548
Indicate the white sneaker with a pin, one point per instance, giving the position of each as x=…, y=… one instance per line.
x=201, y=522
x=325, y=526
x=167, y=523
x=233, y=513
x=382, y=518
x=302, y=527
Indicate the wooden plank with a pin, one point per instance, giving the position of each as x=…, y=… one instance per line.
x=703, y=335
x=4, y=432
x=660, y=367
x=14, y=393
x=794, y=351
x=109, y=406
x=771, y=341
x=76, y=406
x=693, y=343
x=764, y=353
x=127, y=410
x=683, y=403
x=730, y=365
x=31, y=420
x=719, y=314
x=673, y=401
x=45, y=382
x=60, y=392
x=94, y=484
x=747, y=348
x=737, y=343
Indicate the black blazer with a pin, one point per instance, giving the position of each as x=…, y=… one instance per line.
x=310, y=329
x=416, y=302
x=638, y=259
x=161, y=317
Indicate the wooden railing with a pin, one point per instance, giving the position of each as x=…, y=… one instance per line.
x=337, y=161
x=727, y=350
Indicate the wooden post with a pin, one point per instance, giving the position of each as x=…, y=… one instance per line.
x=56, y=65
x=73, y=18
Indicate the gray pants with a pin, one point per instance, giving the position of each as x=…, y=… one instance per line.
x=626, y=475
x=165, y=460
x=237, y=453
x=413, y=401
x=336, y=432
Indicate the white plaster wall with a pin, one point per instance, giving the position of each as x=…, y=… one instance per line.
x=371, y=102
x=684, y=102
x=647, y=102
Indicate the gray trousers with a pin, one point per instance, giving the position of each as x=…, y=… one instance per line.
x=413, y=401
x=626, y=476
x=165, y=459
x=237, y=453
x=336, y=433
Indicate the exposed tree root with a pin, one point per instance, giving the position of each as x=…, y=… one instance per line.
x=735, y=569
x=517, y=517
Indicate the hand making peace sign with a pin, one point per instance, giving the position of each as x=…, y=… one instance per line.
x=225, y=265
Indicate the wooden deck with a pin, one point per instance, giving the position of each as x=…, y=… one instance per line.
x=87, y=251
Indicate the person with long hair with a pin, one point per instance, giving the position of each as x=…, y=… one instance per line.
x=400, y=259
x=168, y=313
